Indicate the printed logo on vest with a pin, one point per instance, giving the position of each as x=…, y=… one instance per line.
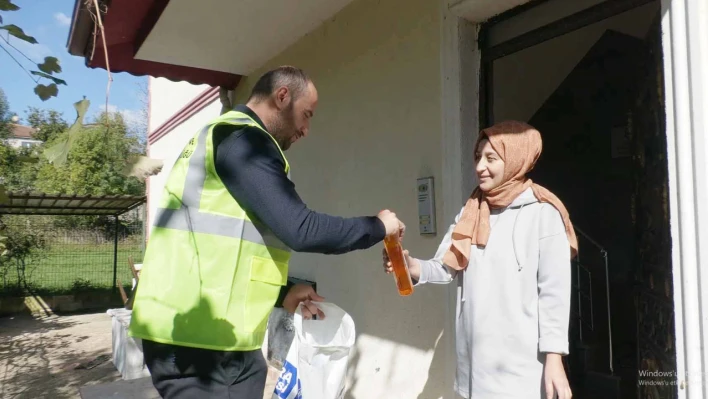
x=189, y=148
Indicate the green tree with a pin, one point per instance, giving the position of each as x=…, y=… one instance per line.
x=48, y=123
x=23, y=248
x=7, y=161
x=5, y=116
x=95, y=161
x=18, y=168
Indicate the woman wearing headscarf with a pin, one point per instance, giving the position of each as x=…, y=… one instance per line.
x=510, y=250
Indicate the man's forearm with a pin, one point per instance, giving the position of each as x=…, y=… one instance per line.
x=321, y=233
x=254, y=175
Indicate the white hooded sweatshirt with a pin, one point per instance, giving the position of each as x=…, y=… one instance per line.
x=513, y=302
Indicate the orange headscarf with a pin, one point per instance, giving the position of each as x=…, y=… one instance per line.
x=519, y=146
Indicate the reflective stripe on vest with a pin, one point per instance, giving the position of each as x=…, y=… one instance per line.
x=183, y=219
x=211, y=274
x=186, y=220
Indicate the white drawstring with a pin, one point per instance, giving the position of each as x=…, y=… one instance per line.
x=513, y=238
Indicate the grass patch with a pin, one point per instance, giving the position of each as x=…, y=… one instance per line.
x=72, y=268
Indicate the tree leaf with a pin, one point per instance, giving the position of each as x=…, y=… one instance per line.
x=58, y=153
x=50, y=77
x=143, y=167
x=6, y=5
x=46, y=92
x=16, y=31
x=50, y=65
x=81, y=108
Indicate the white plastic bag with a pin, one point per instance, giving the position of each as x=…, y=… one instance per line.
x=316, y=365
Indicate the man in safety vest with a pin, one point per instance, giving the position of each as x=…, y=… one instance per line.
x=217, y=258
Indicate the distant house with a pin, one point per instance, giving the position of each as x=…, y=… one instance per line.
x=22, y=136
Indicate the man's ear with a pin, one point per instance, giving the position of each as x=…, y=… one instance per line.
x=282, y=97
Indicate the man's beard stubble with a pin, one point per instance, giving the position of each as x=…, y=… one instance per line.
x=284, y=127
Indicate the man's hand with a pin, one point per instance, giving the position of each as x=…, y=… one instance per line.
x=391, y=222
x=303, y=294
x=555, y=379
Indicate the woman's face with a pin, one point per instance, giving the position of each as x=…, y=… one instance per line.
x=490, y=167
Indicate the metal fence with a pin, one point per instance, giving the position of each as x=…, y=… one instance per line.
x=54, y=255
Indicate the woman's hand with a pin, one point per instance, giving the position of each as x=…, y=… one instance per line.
x=413, y=264
x=555, y=379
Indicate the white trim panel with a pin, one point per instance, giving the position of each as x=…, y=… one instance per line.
x=685, y=66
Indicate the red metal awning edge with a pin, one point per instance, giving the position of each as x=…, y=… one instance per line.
x=127, y=24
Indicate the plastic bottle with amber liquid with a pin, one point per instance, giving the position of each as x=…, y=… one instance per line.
x=402, y=275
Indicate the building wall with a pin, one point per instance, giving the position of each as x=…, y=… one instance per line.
x=376, y=129
x=17, y=143
x=168, y=97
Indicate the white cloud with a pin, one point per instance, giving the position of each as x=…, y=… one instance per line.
x=62, y=19
x=132, y=117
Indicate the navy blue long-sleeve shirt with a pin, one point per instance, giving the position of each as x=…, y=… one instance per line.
x=251, y=167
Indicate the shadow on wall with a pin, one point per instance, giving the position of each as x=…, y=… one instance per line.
x=434, y=386
x=437, y=368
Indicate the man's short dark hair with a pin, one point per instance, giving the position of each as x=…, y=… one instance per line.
x=291, y=77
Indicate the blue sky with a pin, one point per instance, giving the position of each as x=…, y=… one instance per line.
x=48, y=21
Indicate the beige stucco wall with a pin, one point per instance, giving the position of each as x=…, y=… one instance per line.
x=377, y=128
x=168, y=97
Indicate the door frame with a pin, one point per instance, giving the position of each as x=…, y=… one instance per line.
x=685, y=49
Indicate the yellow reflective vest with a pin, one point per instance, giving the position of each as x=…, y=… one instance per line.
x=211, y=273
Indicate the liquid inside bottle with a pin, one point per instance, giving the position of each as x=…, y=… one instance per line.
x=401, y=273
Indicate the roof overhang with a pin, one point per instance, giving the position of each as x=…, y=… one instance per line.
x=127, y=24
x=235, y=37
x=215, y=44
x=62, y=204
x=188, y=41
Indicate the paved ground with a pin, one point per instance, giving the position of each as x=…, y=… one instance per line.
x=52, y=357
